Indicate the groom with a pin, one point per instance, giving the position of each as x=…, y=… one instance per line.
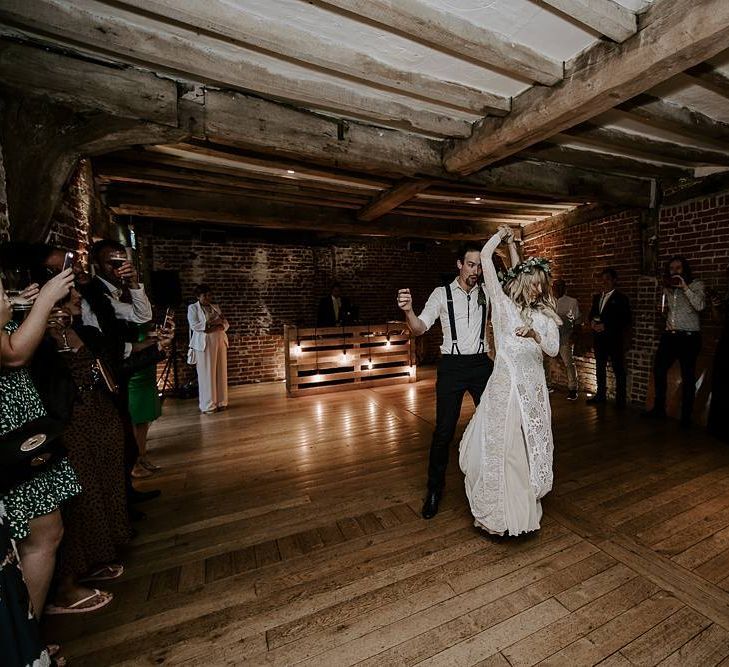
x=462, y=307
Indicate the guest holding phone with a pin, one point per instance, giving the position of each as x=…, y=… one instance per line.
x=684, y=299
x=32, y=501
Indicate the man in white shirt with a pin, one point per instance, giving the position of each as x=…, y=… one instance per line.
x=462, y=307
x=569, y=311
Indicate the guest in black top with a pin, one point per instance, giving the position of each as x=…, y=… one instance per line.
x=335, y=309
x=610, y=320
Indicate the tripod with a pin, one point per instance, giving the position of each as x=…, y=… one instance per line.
x=165, y=386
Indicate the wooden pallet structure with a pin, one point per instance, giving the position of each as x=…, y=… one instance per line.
x=320, y=360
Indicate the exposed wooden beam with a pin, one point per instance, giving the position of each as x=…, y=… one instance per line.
x=116, y=168
x=276, y=191
x=282, y=132
x=577, y=216
x=678, y=33
x=457, y=198
x=589, y=185
x=180, y=52
x=441, y=30
x=390, y=199
x=88, y=86
x=236, y=24
x=709, y=185
x=604, y=16
x=706, y=75
x=604, y=161
x=650, y=146
x=250, y=212
x=677, y=118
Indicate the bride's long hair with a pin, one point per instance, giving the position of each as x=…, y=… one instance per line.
x=522, y=289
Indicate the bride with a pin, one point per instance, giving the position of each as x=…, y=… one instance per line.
x=506, y=451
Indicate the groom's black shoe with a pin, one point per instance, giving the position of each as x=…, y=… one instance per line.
x=430, y=506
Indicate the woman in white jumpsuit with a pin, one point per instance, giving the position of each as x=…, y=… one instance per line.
x=209, y=350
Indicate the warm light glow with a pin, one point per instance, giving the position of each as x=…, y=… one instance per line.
x=388, y=345
x=412, y=370
x=297, y=350
x=318, y=377
x=290, y=171
x=478, y=199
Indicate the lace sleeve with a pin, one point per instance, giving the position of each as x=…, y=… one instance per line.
x=549, y=334
x=490, y=279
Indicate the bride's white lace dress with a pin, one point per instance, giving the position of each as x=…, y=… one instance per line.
x=506, y=451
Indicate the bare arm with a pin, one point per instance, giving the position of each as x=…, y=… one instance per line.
x=513, y=249
x=17, y=349
x=405, y=303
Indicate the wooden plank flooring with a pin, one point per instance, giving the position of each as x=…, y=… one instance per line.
x=289, y=533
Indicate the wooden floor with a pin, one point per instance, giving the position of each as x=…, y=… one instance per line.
x=289, y=533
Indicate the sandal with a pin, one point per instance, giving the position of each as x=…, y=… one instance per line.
x=56, y=660
x=139, y=471
x=77, y=608
x=148, y=464
x=104, y=573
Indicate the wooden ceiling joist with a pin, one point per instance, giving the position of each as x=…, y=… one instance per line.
x=707, y=75
x=180, y=206
x=605, y=162
x=677, y=34
x=677, y=118
x=616, y=138
x=390, y=199
x=180, y=52
x=444, y=31
x=603, y=16
x=123, y=168
x=223, y=20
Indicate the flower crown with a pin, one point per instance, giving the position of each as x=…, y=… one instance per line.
x=527, y=266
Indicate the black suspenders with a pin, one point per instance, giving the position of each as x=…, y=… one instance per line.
x=482, y=344
x=452, y=321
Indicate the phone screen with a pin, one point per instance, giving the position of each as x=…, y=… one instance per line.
x=68, y=261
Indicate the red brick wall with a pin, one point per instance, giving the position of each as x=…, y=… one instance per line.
x=265, y=281
x=697, y=229
x=71, y=225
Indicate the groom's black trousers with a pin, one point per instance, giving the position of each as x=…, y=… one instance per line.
x=457, y=374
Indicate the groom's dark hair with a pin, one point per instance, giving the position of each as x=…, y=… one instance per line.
x=468, y=246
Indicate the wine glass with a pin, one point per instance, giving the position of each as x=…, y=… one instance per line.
x=61, y=319
x=117, y=258
x=15, y=281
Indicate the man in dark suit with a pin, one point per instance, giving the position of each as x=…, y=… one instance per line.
x=334, y=310
x=610, y=320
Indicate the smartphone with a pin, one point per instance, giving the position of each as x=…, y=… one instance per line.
x=68, y=260
x=675, y=281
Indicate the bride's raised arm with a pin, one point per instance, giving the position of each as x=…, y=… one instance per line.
x=490, y=279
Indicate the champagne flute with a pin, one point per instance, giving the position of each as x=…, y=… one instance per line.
x=15, y=281
x=61, y=319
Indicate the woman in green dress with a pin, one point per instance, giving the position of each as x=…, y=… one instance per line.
x=144, y=405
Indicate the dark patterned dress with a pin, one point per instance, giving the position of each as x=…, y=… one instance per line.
x=44, y=493
x=20, y=642
x=96, y=522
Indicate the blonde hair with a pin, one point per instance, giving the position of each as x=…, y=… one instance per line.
x=520, y=288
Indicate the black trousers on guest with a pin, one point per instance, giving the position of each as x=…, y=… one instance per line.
x=609, y=348
x=457, y=374
x=684, y=347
